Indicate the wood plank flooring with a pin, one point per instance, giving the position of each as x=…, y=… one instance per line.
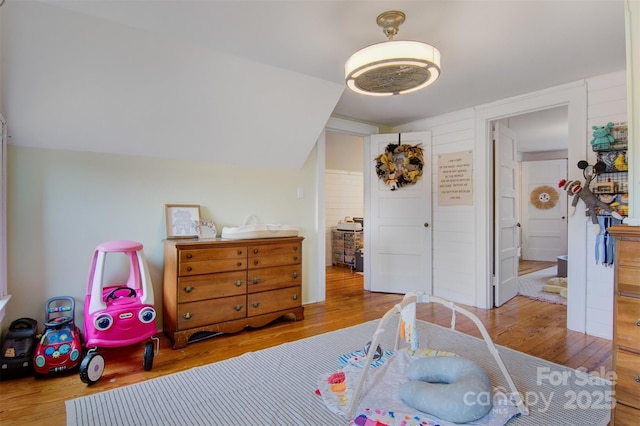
x=530, y=326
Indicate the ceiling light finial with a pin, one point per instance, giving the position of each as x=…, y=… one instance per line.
x=392, y=67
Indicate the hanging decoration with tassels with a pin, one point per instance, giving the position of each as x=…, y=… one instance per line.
x=400, y=164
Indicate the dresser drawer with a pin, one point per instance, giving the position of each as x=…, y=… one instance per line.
x=628, y=378
x=209, y=266
x=274, y=249
x=205, y=312
x=628, y=280
x=627, y=252
x=628, y=322
x=209, y=286
x=272, y=301
x=273, y=278
x=198, y=255
x=626, y=416
x=269, y=261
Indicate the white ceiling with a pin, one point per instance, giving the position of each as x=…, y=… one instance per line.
x=490, y=49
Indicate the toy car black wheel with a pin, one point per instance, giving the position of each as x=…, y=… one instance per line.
x=91, y=368
x=149, y=349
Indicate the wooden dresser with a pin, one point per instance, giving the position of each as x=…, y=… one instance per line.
x=626, y=324
x=223, y=286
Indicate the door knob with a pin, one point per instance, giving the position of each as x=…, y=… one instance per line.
x=426, y=225
x=518, y=225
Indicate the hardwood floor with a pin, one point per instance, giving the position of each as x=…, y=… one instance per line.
x=530, y=326
x=528, y=266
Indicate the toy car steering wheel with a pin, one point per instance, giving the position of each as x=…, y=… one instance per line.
x=58, y=321
x=112, y=295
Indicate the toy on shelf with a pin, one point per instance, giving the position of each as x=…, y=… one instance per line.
x=118, y=315
x=60, y=346
x=582, y=192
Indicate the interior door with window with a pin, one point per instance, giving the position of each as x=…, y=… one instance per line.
x=397, y=223
x=506, y=236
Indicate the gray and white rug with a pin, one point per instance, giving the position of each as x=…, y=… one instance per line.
x=276, y=386
x=530, y=286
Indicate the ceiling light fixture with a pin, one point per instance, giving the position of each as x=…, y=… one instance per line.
x=393, y=67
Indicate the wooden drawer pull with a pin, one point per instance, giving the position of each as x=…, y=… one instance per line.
x=295, y=258
x=638, y=323
x=239, y=252
x=238, y=283
x=255, y=280
x=638, y=378
x=189, y=268
x=189, y=256
x=255, y=304
x=187, y=315
x=255, y=262
x=295, y=297
x=256, y=251
x=295, y=248
x=238, y=307
x=294, y=275
x=239, y=264
x=189, y=289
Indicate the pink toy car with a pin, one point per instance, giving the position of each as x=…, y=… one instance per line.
x=118, y=315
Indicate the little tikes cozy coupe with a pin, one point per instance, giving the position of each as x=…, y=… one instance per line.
x=118, y=315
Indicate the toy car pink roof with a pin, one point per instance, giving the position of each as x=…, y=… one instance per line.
x=119, y=246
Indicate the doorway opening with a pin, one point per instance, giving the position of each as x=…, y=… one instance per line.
x=539, y=231
x=344, y=211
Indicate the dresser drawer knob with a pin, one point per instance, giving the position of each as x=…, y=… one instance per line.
x=638, y=323
x=189, y=289
x=255, y=280
x=255, y=262
x=189, y=268
x=239, y=264
x=187, y=315
x=238, y=308
x=255, y=304
x=638, y=378
x=294, y=275
x=239, y=252
x=295, y=297
x=238, y=283
x=256, y=251
x=295, y=258
x=295, y=248
x=189, y=256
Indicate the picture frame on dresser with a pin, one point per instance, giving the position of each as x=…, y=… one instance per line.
x=182, y=220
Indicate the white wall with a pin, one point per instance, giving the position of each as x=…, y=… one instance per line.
x=61, y=204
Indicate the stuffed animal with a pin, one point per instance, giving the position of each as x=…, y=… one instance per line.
x=601, y=137
x=582, y=192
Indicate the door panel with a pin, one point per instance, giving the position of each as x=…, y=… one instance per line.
x=397, y=242
x=544, y=223
x=506, y=236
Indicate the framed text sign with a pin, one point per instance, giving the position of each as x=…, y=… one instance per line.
x=455, y=179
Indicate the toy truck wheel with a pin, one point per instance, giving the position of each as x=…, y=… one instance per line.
x=91, y=368
x=149, y=348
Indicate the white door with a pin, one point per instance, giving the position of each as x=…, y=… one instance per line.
x=397, y=223
x=544, y=210
x=506, y=215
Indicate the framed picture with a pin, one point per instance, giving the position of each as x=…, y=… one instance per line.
x=182, y=220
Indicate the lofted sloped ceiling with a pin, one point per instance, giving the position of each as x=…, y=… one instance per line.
x=254, y=82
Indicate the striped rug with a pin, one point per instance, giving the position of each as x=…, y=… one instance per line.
x=276, y=386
